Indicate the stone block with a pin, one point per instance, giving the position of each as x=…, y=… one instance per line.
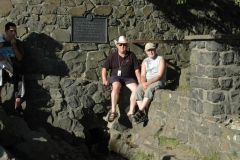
x=209, y=58
x=90, y=74
x=150, y=150
x=182, y=126
x=215, y=96
x=147, y=10
x=173, y=109
x=225, y=83
x=184, y=115
x=235, y=96
x=196, y=93
x=236, y=83
x=215, y=72
x=170, y=133
x=55, y=93
x=235, y=145
x=184, y=101
x=193, y=71
x=227, y=58
x=232, y=71
x=184, y=77
x=200, y=44
x=88, y=47
x=203, y=130
x=214, y=130
x=103, y=10
x=182, y=137
x=165, y=96
x=227, y=133
x=77, y=11
x=61, y=35
x=170, y=122
x=235, y=108
x=213, y=109
x=192, y=105
x=225, y=145
x=202, y=149
x=194, y=57
x=195, y=118
x=204, y=83
x=201, y=71
x=215, y=46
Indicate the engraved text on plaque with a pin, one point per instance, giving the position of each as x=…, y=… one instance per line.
x=89, y=29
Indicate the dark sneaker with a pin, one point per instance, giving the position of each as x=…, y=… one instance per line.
x=132, y=118
x=140, y=117
x=144, y=118
x=139, y=114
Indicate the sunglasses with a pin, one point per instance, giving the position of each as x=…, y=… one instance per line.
x=122, y=44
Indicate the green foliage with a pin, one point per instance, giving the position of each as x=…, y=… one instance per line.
x=213, y=156
x=237, y=2
x=168, y=141
x=184, y=88
x=235, y=154
x=142, y=156
x=181, y=1
x=173, y=143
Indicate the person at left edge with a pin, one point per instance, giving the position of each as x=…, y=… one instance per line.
x=15, y=47
x=124, y=71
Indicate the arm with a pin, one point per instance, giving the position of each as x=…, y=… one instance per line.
x=143, y=72
x=137, y=73
x=104, y=76
x=161, y=70
x=9, y=60
x=19, y=55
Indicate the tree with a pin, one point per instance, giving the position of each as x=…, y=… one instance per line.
x=237, y=2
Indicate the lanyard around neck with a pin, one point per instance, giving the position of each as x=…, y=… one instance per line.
x=119, y=62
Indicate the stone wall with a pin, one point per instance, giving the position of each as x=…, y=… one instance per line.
x=215, y=78
x=205, y=118
x=63, y=82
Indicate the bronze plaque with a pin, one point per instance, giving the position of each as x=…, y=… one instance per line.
x=89, y=29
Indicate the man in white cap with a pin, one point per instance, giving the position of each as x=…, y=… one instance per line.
x=153, y=76
x=125, y=70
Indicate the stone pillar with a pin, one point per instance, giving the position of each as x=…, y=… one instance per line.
x=215, y=74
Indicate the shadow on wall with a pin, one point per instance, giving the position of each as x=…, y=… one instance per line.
x=173, y=76
x=194, y=15
x=42, y=57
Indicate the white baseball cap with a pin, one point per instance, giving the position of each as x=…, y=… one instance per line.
x=1, y=39
x=150, y=46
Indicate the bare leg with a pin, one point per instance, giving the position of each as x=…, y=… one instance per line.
x=143, y=104
x=133, y=88
x=116, y=86
x=17, y=103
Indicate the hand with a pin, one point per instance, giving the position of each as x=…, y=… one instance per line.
x=105, y=82
x=13, y=42
x=144, y=85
